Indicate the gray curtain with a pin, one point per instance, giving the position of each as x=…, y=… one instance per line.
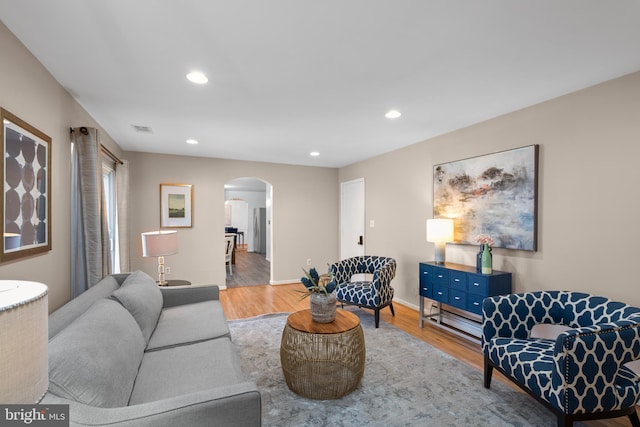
x=89, y=234
x=122, y=196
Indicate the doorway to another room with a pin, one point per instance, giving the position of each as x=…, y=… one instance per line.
x=248, y=221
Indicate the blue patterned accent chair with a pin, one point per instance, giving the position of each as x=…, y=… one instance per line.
x=375, y=294
x=579, y=375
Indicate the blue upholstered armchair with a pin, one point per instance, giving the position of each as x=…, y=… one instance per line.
x=579, y=374
x=375, y=294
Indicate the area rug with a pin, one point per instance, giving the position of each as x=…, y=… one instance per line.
x=406, y=382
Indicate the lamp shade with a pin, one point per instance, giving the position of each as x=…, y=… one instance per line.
x=24, y=338
x=159, y=243
x=439, y=230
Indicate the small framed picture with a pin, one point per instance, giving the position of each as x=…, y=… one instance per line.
x=26, y=192
x=176, y=205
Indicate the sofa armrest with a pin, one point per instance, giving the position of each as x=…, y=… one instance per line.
x=234, y=405
x=188, y=295
x=587, y=363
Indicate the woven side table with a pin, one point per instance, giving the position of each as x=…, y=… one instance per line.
x=322, y=360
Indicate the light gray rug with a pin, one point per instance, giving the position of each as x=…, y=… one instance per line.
x=406, y=382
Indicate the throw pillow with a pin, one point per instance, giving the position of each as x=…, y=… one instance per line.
x=141, y=296
x=95, y=359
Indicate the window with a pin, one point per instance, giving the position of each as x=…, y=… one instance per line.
x=109, y=187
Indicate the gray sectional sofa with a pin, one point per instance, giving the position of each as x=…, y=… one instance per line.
x=128, y=353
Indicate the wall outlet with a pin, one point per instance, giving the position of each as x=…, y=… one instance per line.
x=167, y=270
x=308, y=261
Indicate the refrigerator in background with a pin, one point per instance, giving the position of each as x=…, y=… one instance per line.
x=260, y=230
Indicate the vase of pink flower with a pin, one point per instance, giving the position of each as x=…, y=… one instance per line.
x=486, y=242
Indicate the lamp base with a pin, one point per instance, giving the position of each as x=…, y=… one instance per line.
x=161, y=281
x=440, y=252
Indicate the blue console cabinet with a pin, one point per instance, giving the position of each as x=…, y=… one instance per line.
x=459, y=286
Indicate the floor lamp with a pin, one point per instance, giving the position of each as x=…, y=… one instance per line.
x=160, y=244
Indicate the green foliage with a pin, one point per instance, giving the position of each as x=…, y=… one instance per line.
x=315, y=283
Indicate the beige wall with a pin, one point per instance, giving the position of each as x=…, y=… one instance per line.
x=589, y=149
x=31, y=93
x=588, y=194
x=305, y=214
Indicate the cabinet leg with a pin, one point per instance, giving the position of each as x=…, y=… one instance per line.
x=421, y=314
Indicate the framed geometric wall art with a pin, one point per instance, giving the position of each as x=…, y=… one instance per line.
x=176, y=205
x=494, y=194
x=26, y=191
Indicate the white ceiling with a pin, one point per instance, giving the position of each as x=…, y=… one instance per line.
x=287, y=77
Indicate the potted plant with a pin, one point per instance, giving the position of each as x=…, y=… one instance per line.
x=319, y=289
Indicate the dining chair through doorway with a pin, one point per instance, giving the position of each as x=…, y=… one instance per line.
x=228, y=256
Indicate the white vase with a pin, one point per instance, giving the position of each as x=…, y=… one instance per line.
x=323, y=307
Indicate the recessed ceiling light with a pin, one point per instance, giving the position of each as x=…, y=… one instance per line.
x=314, y=154
x=197, y=77
x=192, y=141
x=393, y=114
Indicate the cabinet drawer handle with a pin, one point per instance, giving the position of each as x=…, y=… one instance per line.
x=439, y=293
x=425, y=272
x=456, y=297
x=476, y=284
x=440, y=276
x=476, y=303
x=456, y=280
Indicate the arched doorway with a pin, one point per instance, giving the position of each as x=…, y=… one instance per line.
x=248, y=215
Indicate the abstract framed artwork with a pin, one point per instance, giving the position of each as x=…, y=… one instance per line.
x=26, y=193
x=176, y=205
x=494, y=194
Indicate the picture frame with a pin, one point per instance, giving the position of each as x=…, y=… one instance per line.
x=26, y=191
x=494, y=194
x=176, y=205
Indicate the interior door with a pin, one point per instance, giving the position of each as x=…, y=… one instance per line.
x=352, y=218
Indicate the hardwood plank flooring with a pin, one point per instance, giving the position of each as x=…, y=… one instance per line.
x=250, y=269
x=244, y=302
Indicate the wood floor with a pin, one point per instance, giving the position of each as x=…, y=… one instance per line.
x=250, y=269
x=244, y=302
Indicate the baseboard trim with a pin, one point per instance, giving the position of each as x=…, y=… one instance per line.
x=406, y=304
x=284, y=282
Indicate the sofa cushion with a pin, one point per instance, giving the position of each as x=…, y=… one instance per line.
x=61, y=318
x=187, y=324
x=96, y=358
x=186, y=369
x=141, y=296
x=529, y=361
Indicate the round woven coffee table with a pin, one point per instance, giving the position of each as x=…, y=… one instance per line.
x=322, y=360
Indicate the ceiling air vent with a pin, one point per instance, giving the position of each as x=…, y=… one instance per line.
x=142, y=129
